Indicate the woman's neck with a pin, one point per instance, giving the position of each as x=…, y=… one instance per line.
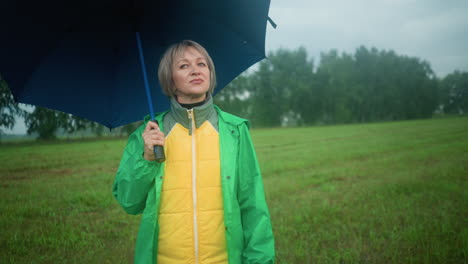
x=192, y=105
x=194, y=102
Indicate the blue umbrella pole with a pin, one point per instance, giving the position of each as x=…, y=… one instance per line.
x=158, y=150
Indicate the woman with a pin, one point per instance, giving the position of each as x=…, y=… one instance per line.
x=205, y=203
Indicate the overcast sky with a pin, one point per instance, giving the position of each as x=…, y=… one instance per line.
x=433, y=30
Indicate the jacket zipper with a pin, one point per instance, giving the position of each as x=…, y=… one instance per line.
x=194, y=184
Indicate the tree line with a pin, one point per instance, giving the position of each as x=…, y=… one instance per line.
x=291, y=89
x=370, y=85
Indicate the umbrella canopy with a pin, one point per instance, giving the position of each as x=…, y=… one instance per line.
x=81, y=56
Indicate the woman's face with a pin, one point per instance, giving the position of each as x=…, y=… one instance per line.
x=191, y=76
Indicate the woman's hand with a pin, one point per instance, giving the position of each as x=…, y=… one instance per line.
x=152, y=136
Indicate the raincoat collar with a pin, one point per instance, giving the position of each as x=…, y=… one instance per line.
x=200, y=113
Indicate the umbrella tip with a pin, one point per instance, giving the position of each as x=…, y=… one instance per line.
x=272, y=23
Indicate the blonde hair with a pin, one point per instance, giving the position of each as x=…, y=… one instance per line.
x=167, y=60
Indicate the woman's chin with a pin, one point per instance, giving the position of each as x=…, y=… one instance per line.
x=191, y=98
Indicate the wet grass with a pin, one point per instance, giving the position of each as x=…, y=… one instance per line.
x=374, y=193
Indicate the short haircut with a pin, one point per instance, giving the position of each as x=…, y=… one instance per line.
x=167, y=60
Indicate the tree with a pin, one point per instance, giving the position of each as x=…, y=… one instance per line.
x=277, y=86
x=265, y=97
x=454, y=93
x=9, y=109
x=375, y=85
x=337, y=77
x=235, y=97
x=294, y=74
x=97, y=128
x=129, y=128
x=45, y=122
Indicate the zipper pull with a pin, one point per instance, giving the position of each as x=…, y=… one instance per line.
x=190, y=114
x=192, y=121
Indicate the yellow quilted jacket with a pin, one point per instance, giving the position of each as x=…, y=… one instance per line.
x=191, y=212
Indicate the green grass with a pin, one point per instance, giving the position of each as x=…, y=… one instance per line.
x=374, y=193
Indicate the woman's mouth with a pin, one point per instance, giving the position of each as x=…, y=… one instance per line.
x=196, y=81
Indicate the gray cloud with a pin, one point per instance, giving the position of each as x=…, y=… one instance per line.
x=436, y=31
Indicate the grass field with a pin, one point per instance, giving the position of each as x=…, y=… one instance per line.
x=392, y=192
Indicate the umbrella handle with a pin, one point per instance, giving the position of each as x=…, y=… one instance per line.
x=159, y=150
x=159, y=154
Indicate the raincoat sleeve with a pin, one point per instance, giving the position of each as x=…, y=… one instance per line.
x=258, y=234
x=135, y=175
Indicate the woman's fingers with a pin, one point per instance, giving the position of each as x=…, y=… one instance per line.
x=152, y=133
x=153, y=141
x=152, y=136
x=151, y=125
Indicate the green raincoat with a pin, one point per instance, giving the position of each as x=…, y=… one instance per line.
x=138, y=183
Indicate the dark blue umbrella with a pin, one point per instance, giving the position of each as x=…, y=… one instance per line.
x=82, y=56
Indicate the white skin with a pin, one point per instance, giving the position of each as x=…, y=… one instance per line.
x=191, y=77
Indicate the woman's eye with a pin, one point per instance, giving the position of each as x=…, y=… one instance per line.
x=202, y=64
x=183, y=66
